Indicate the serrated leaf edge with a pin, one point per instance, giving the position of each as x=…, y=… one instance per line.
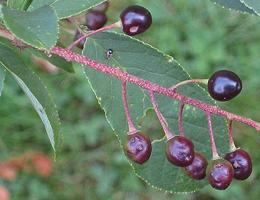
x=42, y=49
x=77, y=12
x=236, y=10
x=250, y=7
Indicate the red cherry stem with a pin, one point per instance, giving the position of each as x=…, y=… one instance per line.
x=145, y=84
x=203, y=81
x=180, y=119
x=232, y=145
x=105, y=28
x=214, y=150
x=131, y=126
x=160, y=117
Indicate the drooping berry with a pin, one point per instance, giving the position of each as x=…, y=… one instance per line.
x=135, y=19
x=197, y=169
x=138, y=148
x=224, y=85
x=220, y=174
x=102, y=7
x=241, y=163
x=76, y=37
x=180, y=151
x=95, y=20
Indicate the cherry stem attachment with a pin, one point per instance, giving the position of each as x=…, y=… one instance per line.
x=214, y=150
x=131, y=126
x=105, y=28
x=180, y=119
x=232, y=146
x=203, y=81
x=162, y=120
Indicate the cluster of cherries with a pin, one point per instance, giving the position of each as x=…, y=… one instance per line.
x=223, y=85
x=133, y=20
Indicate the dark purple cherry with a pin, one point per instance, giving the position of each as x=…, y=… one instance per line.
x=180, y=151
x=197, y=169
x=95, y=20
x=76, y=37
x=224, y=85
x=220, y=174
x=138, y=147
x=135, y=20
x=101, y=7
x=241, y=163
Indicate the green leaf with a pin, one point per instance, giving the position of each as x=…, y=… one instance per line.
x=66, y=8
x=2, y=78
x=253, y=4
x=38, y=28
x=35, y=90
x=143, y=61
x=1, y=13
x=19, y=4
x=235, y=5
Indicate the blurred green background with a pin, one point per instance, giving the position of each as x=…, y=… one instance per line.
x=203, y=37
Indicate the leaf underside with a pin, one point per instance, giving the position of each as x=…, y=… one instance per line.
x=143, y=61
x=35, y=91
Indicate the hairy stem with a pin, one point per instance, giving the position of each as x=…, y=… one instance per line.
x=146, y=84
x=232, y=146
x=214, y=150
x=180, y=119
x=109, y=27
x=118, y=73
x=162, y=120
x=132, y=129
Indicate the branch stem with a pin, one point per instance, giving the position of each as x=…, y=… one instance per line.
x=232, y=146
x=180, y=119
x=162, y=120
x=214, y=150
x=131, y=126
x=105, y=28
x=145, y=84
x=203, y=81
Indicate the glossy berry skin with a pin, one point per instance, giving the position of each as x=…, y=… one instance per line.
x=197, y=169
x=138, y=148
x=220, y=174
x=76, y=37
x=135, y=19
x=180, y=151
x=224, y=85
x=95, y=20
x=102, y=7
x=241, y=163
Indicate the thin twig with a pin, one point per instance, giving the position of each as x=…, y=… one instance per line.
x=105, y=28
x=162, y=120
x=132, y=129
x=174, y=87
x=232, y=146
x=212, y=140
x=180, y=119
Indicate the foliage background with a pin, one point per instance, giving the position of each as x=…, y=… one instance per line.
x=203, y=37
